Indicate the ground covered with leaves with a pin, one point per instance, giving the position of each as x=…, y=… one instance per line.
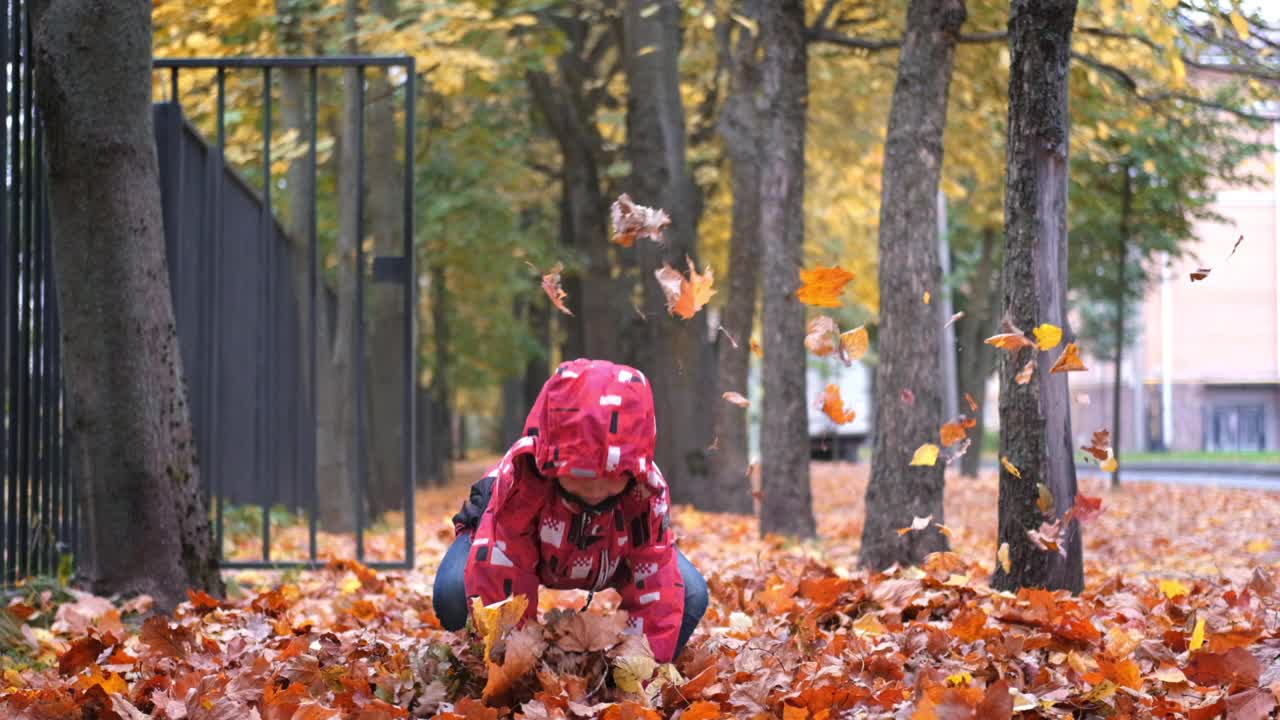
x=1180, y=618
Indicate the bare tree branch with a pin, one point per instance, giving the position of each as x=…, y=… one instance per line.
x=1130, y=84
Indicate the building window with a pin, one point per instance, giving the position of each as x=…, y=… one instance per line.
x=1238, y=428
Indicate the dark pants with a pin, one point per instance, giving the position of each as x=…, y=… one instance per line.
x=450, y=595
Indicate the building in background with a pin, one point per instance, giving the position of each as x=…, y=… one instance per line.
x=1203, y=370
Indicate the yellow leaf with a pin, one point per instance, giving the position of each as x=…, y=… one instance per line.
x=349, y=584
x=1010, y=467
x=960, y=678
x=1259, y=546
x=1241, y=25
x=649, y=11
x=1109, y=465
x=1003, y=556
x=1149, y=166
x=1044, y=501
x=869, y=625
x=746, y=22
x=494, y=620
x=791, y=712
x=630, y=672
x=1171, y=4
x=821, y=287
x=926, y=454
x=647, y=49
x=1048, y=336
x=855, y=342
x=685, y=296
x=927, y=297
x=1197, y=635
x=1173, y=588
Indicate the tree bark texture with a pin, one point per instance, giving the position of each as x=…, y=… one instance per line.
x=730, y=487
x=786, y=506
x=976, y=358
x=337, y=404
x=909, y=268
x=569, y=110
x=386, y=342
x=1122, y=258
x=1035, y=422
x=674, y=354
x=146, y=525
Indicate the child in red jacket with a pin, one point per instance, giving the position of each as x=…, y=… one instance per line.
x=578, y=503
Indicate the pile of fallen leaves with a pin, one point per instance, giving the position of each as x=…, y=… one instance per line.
x=1180, y=618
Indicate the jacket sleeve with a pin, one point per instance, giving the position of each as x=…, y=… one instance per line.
x=653, y=591
x=504, y=549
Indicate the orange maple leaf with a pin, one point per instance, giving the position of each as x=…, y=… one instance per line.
x=685, y=295
x=1024, y=375
x=833, y=406
x=821, y=286
x=1069, y=361
x=551, y=286
x=951, y=433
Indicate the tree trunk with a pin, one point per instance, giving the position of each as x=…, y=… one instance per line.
x=976, y=358
x=730, y=487
x=146, y=524
x=386, y=347
x=899, y=491
x=1122, y=258
x=786, y=505
x=441, y=393
x=337, y=464
x=673, y=353
x=1035, y=422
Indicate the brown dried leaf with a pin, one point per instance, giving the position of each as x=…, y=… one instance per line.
x=632, y=221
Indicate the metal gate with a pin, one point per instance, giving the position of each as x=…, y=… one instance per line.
x=38, y=519
x=253, y=327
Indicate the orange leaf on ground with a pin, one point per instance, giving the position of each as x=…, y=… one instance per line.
x=820, y=336
x=631, y=221
x=821, y=286
x=1069, y=361
x=833, y=406
x=702, y=710
x=551, y=286
x=969, y=624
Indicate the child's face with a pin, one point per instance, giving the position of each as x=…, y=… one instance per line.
x=594, y=490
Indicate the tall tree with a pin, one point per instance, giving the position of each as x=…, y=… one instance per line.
x=674, y=351
x=146, y=524
x=909, y=269
x=786, y=507
x=386, y=347
x=1035, y=419
x=730, y=486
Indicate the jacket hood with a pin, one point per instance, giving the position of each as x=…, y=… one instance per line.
x=593, y=419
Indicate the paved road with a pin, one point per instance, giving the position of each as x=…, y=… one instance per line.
x=1252, y=479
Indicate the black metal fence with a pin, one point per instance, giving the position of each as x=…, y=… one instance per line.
x=251, y=326
x=38, y=522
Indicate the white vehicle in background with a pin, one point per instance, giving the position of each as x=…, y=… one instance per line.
x=827, y=439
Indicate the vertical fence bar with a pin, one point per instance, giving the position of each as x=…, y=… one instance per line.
x=222, y=146
x=358, y=365
x=265, y=236
x=6, y=305
x=313, y=265
x=410, y=434
x=40, y=329
x=24, y=309
x=173, y=85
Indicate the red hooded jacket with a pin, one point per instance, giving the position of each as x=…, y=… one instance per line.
x=593, y=419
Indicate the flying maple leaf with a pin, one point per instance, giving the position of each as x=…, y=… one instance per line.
x=1011, y=340
x=953, y=320
x=1047, y=336
x=1003, y=556
x=833, y=406
x=821, y=286
x=1024, y=375
x=756, y=349
x=952, y=432
x=1101, y=444
x=855, y=343
x=737, y=399
x=551, y=286
x=1069, y=361
x=1013, y=470
x=926, y=454
x=820, y=337
x=917, y=523
x=631, y=221
x=685, y=295
x=1200, y=274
